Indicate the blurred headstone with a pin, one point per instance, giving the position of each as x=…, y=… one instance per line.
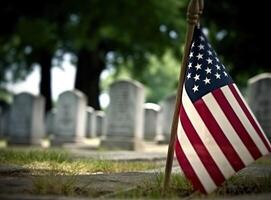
x=125, y=116
x=151, y=125
x=26, y=119
x=100, y=123
x=166, y=116
x=70, y=118
x=1, y=123
x=4, y=123
x=50, y=122
x=259, y=98
x=91, y=123
x=4, y=117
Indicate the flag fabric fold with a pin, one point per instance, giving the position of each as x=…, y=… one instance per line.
x=217, y=133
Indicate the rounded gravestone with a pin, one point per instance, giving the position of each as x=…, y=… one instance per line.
x=166, y=116
x=125, y=116
x=26, y=119
x=50, y=122
x=151, y=125
x=259, y=98
x=70, y=118
x=100, y=123
x=4, y=123
x=91, y=123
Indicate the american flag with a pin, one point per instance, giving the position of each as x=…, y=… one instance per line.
x=217, y=133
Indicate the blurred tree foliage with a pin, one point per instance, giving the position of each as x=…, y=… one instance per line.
x=239, y=32
x=132, y=30
x=129, y=35
x=29, y=35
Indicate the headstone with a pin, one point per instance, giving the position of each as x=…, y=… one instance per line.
x=70, y=118
x=26, y=119
x=151, y=125
x=125, y=116
x=50, y=122
x=167, y=111
x=259, y=98
x=4, y=117
x=100, y=123
x=1, y=123
x=4, y=123
x=91, y=123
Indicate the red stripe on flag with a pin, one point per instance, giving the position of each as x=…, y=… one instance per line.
x=236, y=123
x=201, y=149
x=218, y=135
x=187, y=167
x=249, y=116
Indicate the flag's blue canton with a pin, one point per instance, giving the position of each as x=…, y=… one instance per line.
x=204, y=71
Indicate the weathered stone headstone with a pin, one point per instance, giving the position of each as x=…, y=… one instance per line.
x=1, y=123
x=100, y=123
x=4, y=123
x=50, y=122
x=151, y=125
x=91, y=123
x=125, y=116
x=26, y=119
x=167, y=110
x=70, y=118
x=259, y=98
x=4, y=116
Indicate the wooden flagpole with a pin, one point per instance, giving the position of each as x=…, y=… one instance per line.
x=193, y=12
x=201, y=6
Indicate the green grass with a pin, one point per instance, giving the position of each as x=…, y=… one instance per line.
x=66, y=185
x=266, y=160
x=3, y=143
x=47, y=185
x=24, y=156
x=55, y=172
x=244, y=184
x=178, y=187
x=60, y=162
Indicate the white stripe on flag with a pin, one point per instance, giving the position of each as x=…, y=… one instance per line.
x=195, y=161
x=227, y=128
x=206, y=137
x=253, y=116
x=244, y=120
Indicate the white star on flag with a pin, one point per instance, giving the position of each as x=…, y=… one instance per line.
x=206, y=80
x=196, y=77
x=199, y=56
x=195, y=88
x=201, y=47
x=208, y=70
x=209, y=60
x=198, y=66
x=217, y=75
